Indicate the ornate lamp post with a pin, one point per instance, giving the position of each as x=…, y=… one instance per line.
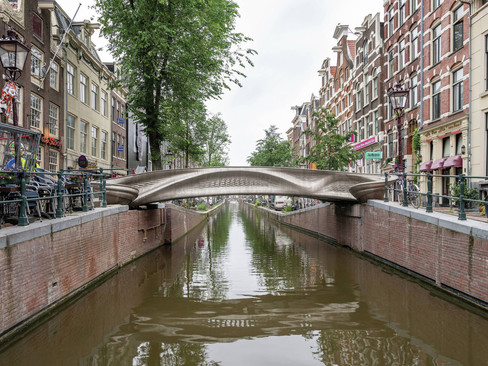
x=398, y=99
x=13, y=54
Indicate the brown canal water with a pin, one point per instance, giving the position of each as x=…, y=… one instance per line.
x=245, y=291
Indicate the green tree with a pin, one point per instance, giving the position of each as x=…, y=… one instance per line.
x=272, y=150
x=170, y=51
x=217, y=142
x=330, y=150
x=189, y=132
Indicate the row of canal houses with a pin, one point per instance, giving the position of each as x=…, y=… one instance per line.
x=438, y=49
x=65, y=93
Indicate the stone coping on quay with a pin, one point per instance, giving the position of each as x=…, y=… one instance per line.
x=17, y=234
x=474, y=228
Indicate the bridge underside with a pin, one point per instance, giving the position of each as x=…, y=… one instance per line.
x=165, y=185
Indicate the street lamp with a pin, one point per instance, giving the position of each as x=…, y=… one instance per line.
x=398, y=100
x=13, y=54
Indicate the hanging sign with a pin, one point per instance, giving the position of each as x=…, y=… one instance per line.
x=374, y=155
x=82, y=161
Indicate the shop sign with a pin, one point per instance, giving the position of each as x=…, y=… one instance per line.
x=120, y=121
x=51, y=141
x=83, y=161
x=365, y=143
x=374, y=155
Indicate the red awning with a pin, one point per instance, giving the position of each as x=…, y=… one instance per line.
x=454, y=161
x=426, y=167
x=438, y=164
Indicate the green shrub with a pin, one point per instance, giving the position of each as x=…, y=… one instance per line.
x=202, y=207
x=288, y=209
x=469, y=193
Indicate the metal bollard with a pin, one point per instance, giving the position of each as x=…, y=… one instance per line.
x=85, y=193
x=386, y=188
x=59, y=209
x=462, y=212
x=23, y=221
x=404, y=203
x=429, y=193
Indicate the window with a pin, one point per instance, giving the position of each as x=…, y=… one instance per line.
x=103, y=147
x=486, y=62
x=459, y=143
x=83, y=88
x=94, y=96
x=53, y=119
x=401, y=60
x=402, y=11
x=457, y=29
x=39, y=156
x=390, y=63
x=368, y=128
x=37, y=26
x=415, y=43
x=446, y=147
x=36, y=62
x=118, y=110
x=359, y=98
x=366, y=89
x=390, y=145
x=113, y=109
x=35, y=111
x=431, y=150
x=70, y=132
x=414, y=92
x=390, y=22
x=436, y=100
x=436, y=44
x=53, y=161
x=114, y=148
x=376, y=123
x=70, y=79
x=457, y=90
x=83, y=136
x=413, y=6
x=365, y=52
x=375, y=83
x=53, y=76
x=94, y=141
x=103, y=106
x=361, y=130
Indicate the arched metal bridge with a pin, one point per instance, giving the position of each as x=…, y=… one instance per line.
x=164, y=185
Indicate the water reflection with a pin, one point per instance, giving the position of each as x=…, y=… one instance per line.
x=245, y=291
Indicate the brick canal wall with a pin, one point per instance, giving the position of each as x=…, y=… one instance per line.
x=438, y=248
x=46, y=263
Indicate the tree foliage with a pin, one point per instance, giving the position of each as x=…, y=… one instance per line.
x=330, y=150
x=216, y=142
x=272, y=150
x=174, y=55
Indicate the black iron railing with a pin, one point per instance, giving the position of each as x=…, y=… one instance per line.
x=427, y=197
x=26, y=193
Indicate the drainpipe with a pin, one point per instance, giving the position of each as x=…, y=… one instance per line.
x=421, y=65
x=470, y=91
x=65, y=152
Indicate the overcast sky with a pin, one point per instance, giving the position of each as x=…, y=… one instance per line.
x=292, y=38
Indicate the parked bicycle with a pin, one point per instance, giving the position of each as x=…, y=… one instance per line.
x=397, y=192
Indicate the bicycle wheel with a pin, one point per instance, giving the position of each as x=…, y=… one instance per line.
x=414, y=196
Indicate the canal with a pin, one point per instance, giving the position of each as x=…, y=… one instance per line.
x=241, y=290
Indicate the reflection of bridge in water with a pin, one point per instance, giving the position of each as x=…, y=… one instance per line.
x=164, y=185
